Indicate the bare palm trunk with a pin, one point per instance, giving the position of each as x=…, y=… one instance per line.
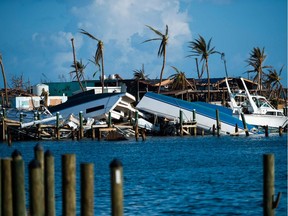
x=5, y=82
x=260, y=80
x=208, y=78
x=138, y=96
x=197, y=66
x=76, y=67
x=102, y=71
x=162, y=70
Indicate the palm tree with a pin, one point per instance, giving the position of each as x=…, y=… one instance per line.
x=75, y=64
x=274, y=82
x=162, y=48
x=80, y=67
x=256, y=60
x=200, y=48
x=5, y=82
x=180, y=81
x=198, y=72
x=139, y=75
x=99, y=56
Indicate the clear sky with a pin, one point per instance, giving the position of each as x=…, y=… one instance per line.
x=35, y=35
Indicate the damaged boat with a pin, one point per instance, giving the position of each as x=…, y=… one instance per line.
x=97, y=106
x=256, y=109
x=169, y=108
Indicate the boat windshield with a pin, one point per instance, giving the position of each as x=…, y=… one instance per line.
x=261, y=102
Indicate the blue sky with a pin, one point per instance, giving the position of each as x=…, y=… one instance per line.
x=35, y=35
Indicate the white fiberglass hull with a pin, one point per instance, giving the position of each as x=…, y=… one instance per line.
x=264, y=120
x=97, y=106
x=169, y=108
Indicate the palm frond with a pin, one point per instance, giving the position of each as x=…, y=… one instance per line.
x=152, y=40
x=156, y=31
x=88, y=34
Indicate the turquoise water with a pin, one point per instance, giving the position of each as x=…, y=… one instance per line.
x=175, y=175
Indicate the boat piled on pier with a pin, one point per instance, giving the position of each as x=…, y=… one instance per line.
x=112, y=116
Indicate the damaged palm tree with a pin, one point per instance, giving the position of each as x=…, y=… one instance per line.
x=256, y=60
x=5, y=82
x=162, y=48
x=199, y=47
x=99, y=56
x=76, y=68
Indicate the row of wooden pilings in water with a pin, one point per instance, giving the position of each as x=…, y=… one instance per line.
x=79, y=134
x=217, y=128
x=42, y=189
x=6, y=126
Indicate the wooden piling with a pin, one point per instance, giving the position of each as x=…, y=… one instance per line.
x=87, y=189
x=92, y=132
x=269, y=205
x=194, y=122
x=9, y=137
x=36, y=188
x=244, y=124
x=3, y=131
x=194, y=115
x=78, y=134
x=266, y=131
x=69, y=184
x=99, y=134
x=218, y=127
x=213, y=129
x=7, y=197
x=81, y=135
x=0, y=187
x=73, y=134
x=236, y=129
x=18, y=184
x=4, y=126
x=49, y=187
x=181, y=122
x=136, y=126
x=116, y=174
x=109, y=120
x=39, y=156
x=57, y=126
x=143, y=134
x=280, y=131
x=4, y=113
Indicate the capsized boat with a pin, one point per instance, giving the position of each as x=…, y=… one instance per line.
x=257, y=109
x=169, y=107
x=96, y=106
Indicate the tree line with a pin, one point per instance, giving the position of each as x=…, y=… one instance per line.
x=198, y=48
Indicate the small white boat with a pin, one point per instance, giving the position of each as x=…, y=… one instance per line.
x=96, y=106
x=257, y=109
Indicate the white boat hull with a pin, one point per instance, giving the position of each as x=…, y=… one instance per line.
x=97, y=106
x=205, y=117
x=264, y=120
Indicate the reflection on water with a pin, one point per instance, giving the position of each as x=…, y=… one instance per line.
x=174, y=175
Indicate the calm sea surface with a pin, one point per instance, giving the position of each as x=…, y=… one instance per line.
x=173, y=175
